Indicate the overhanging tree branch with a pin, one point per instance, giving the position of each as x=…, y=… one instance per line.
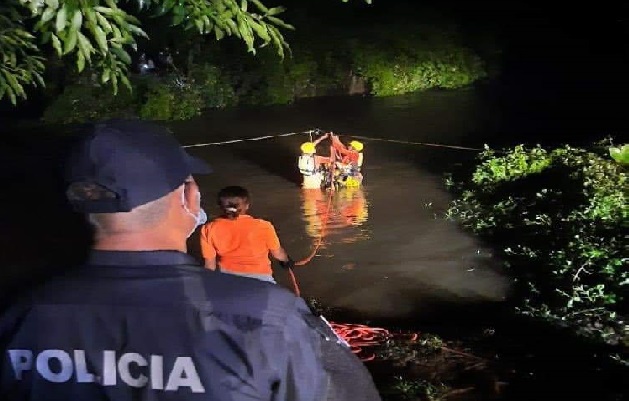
x=99, y=34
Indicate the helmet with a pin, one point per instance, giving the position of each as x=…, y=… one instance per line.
x=356, y=145
x=308, y=147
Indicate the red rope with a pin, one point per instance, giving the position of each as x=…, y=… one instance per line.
x=356, y=335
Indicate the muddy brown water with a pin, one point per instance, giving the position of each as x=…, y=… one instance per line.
x=387, y=249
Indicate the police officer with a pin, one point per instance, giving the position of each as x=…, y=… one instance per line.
x=141, y=320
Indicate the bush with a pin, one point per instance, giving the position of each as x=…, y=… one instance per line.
x=85, y=101
x=558, y=219
x=415, y=58
x=171, y=98
x=215, y=88
x=155, y=98
x=398, y=73
x=266, y=79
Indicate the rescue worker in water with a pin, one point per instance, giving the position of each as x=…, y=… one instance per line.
x=310, y=164
x=343, y=165
x=348, y=161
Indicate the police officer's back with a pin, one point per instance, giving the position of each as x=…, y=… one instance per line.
x=142, y=321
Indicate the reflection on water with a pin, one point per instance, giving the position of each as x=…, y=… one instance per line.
x=341, y=214
x=387, y=251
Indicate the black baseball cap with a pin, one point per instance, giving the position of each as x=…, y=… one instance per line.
x=121, y=164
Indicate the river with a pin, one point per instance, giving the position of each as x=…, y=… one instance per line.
x=388, y=252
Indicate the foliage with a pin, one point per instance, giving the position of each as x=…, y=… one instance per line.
x=621, y=155
x=415, y=389
x=417, y=57
x=100, y=33
x=391, y=73
x=215, y=88
x=558, y=218
x=171, y=99
x=21, y=63
x=323, y=63
x=152, y=98
x=273, y=81
x=89, y=101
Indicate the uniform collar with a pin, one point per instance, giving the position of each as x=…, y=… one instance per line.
x=138, y=258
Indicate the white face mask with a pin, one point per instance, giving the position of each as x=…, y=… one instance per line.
x=199, y=219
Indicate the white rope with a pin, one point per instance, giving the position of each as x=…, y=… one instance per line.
x=310, y=132
x=258, y=138
x=437, y=145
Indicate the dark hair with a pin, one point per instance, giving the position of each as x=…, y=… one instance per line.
x=232, y=200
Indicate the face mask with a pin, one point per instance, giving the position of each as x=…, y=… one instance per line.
x=199, y=219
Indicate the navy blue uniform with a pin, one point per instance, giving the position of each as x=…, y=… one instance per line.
x=155, y=326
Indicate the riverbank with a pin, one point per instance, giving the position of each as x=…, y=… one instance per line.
x=498, y=357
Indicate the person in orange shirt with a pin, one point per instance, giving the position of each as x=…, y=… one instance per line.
x=237, y=243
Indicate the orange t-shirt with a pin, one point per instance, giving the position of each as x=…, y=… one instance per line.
x=347, y=155
x=241, y=245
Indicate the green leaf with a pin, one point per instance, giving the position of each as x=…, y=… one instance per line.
x=91, y=17
x=280, y=23
x=77, y=20
x=122, y=55
x=245, y=33
x=39, y=79
x=104, y=10
x=219, y=33
x=275, y=10
x=137, y=30
x=80, y=61
x=101, y=39
x=260, y=6
x=207, y=24
x=85, y=46
x=61, y=20
x=620, y=155
x=125, y=81
x=277, y=40
x=70, y=42
x=243, y=6
x=117, y=33
x=199, y=24
x=131, y=19
x=231, y=27
x=56, y=43
x=103, y=22
x=106, y=75
x=47, y=15
x=114, y=83
x=52, y=3
x=260, y=30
